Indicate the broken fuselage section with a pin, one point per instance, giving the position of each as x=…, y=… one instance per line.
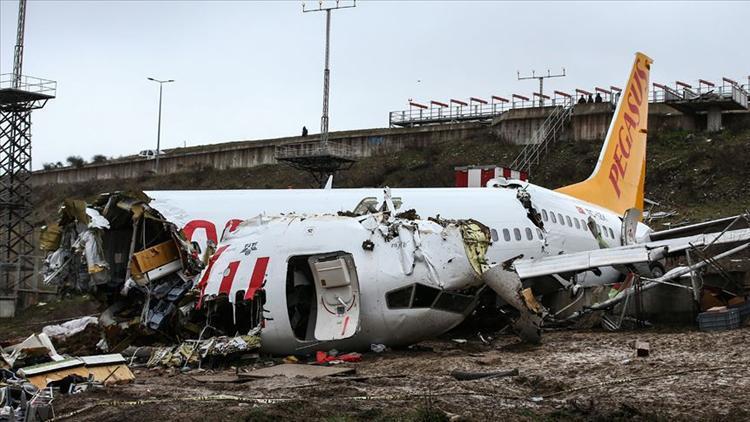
x=346, y=282
x=128, y=256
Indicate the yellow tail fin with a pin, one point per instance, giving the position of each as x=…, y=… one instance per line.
x=618, y=179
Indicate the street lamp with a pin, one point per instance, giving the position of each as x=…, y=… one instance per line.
x=158, y=130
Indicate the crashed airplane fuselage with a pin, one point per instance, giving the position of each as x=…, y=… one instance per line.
x=340, y=282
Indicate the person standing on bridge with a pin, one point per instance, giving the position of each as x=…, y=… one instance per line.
x=304, y=131
x=598, y=98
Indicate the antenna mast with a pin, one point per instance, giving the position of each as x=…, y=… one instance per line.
x=18, y=52
x=326, y=70
x=541, y=79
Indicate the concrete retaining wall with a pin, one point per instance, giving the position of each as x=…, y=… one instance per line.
x=589, y=122
x=244, y=154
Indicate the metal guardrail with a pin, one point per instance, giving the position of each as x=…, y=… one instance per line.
x=312, y=149
x=472, y=112
x=464, y=113
x=29, y=84
x=736, y=93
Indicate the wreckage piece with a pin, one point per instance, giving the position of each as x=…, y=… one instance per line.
x=105, y=369
x=506, y=283
x=192, y=352
x=23, y=402
x=132, y=258
x=330, y=281
x=36, y=348
x=653, y=282
x=69, y=328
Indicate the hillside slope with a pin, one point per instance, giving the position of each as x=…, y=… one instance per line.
x=698, y=175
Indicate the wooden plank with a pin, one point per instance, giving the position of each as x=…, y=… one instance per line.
x=291, y=370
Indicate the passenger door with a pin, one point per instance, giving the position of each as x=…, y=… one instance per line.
x=337, y=291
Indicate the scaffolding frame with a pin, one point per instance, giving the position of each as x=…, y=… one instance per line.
x=19, y=96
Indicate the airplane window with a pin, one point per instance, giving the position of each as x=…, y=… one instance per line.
x=567, y=219
x=539, y=233
x=544, y=215
x=506, y=235
x=399, y=298
x=424, y=296
x=529, y=234
x=578, y=225
x=611, y=233
x=493, y=234
x=584, y=226
x=517, y=234
x=601, y=230
x=560, y=219
x=453, y=302
x=552, y=215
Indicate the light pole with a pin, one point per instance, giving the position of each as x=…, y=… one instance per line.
x=326, y=69
x=158, y=129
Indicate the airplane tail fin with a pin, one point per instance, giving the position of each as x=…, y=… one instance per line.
x=618, y=179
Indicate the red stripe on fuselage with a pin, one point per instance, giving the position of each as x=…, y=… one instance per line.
x=226, y=282
x=259, y=274
x=204, y=281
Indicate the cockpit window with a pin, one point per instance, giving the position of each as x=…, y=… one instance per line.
x=422, y=296
x=399, y=298
x=453, y=302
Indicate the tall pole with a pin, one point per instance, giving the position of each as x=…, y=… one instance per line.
x=158, y=127
x=327, y=67
x=158, y=132
x=326, y=81
x=18, y=51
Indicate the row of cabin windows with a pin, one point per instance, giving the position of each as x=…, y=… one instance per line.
x=518, y=236
x=579, y=224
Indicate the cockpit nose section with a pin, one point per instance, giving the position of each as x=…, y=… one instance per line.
x=323, y=296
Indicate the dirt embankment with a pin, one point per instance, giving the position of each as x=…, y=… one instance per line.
x=699, y=175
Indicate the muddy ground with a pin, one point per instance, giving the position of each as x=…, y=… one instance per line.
x=587, y=374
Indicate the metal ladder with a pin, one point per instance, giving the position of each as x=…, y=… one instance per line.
x=548, y=133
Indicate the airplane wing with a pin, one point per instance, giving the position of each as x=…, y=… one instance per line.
x=622, y=255
x=735, y=222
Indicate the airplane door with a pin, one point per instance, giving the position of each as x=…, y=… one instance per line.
x=337, y=291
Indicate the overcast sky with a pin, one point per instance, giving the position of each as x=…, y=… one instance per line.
x=253, y=70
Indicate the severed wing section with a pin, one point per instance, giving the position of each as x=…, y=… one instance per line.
x=507, y=279
x=623, y=255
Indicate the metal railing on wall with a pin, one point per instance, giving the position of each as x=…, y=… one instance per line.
x=458, y=111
